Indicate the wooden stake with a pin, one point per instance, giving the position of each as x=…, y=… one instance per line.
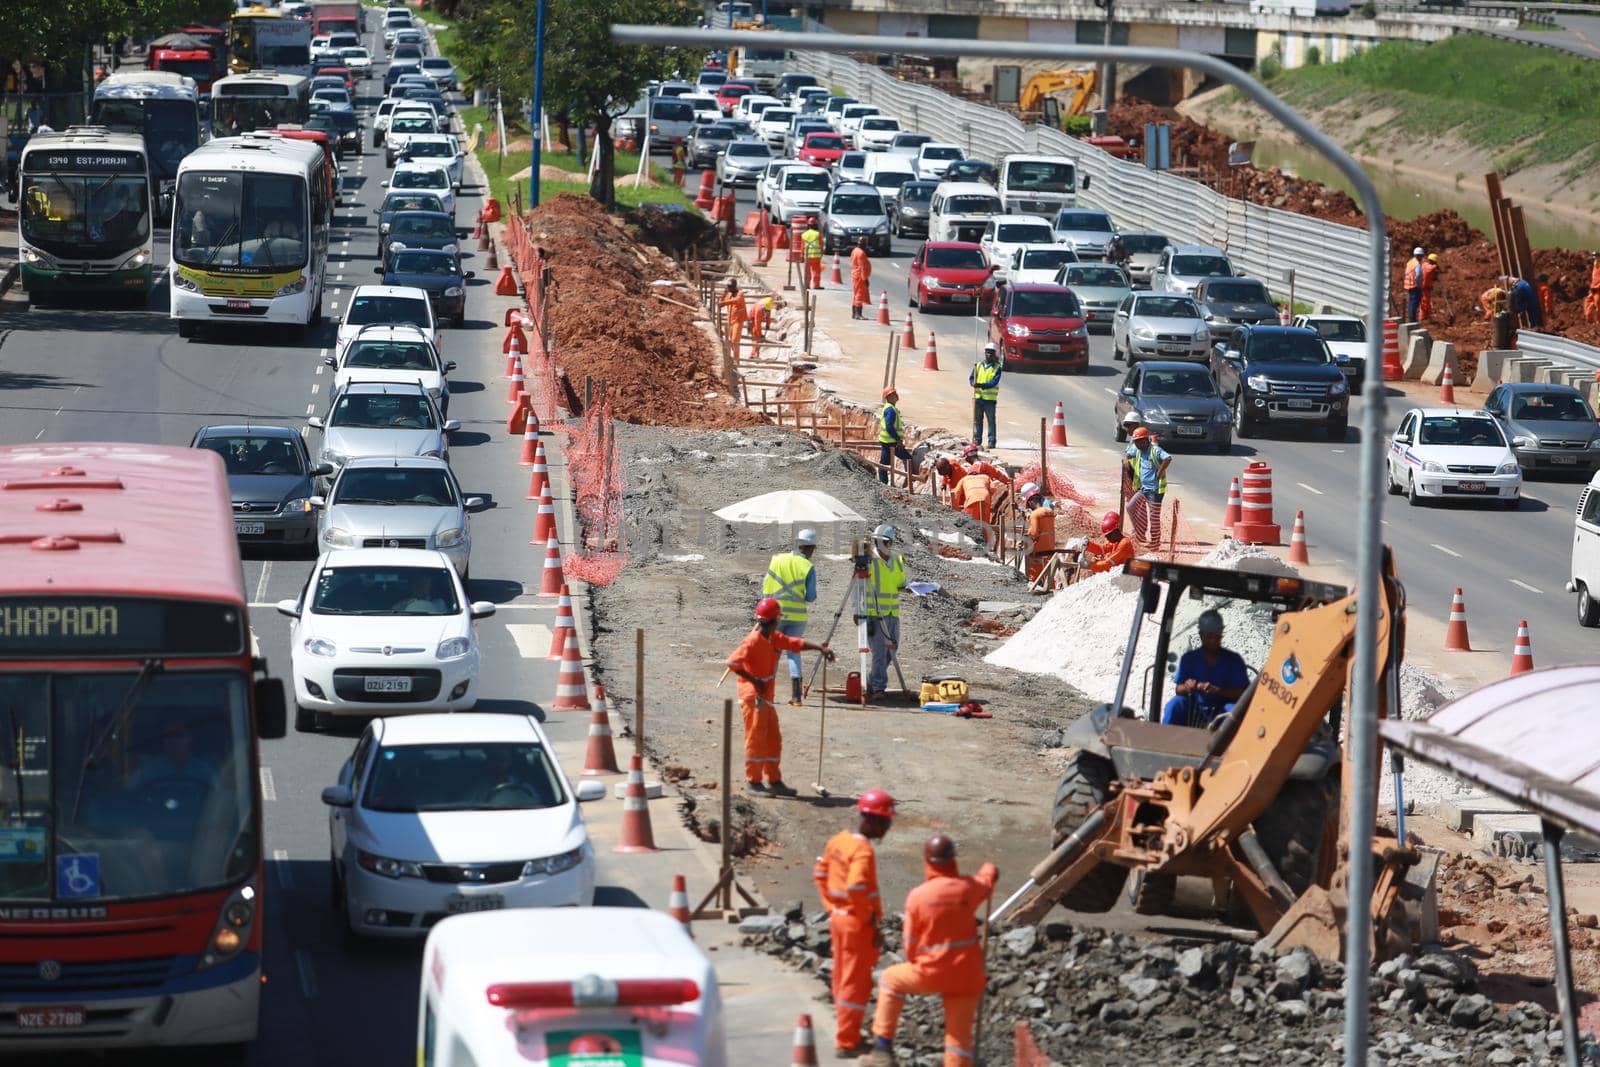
x=638, y=691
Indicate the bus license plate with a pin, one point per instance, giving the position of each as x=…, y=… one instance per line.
x=238, y=305
x=387, y=685
x=1472, y=487
x=1049, y=348
x=52, y=1018
x=457, y=903
x=249, y=527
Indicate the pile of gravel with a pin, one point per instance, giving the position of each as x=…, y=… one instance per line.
x=1095, y=996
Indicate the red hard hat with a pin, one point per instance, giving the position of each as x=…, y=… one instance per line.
x=876, y=802
x=891, y=391
x=1140, y=434
x=768, y=609
x=969, y=449
x=1110, y=521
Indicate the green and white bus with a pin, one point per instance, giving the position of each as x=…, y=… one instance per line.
x=85, y=213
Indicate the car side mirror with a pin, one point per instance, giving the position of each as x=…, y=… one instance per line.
x=1402, y=439
x=473, y=503
x=330, y=361
x=1150, y=597
x=318, y=501
x=339, y=796
x=379, y=270
x=315, y=422
x=482, y=609
x=1230, y=353
x=383, y=184
x=1127, y=390
x=452, y=425
x=322, y=470
x=449, y=365
x=272, y=709
x=291, y=608
x=1228, y=395
x=470, y=274
x=993, y=267
x=1520, y=442
x=590, y=790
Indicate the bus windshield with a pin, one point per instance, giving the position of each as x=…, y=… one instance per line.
x=104, y=802
x=235, y=113
x=85, y=216
x=171, y=128
x=243, y=222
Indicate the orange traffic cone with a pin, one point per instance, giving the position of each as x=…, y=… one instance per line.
x=544, y=522
x=553, y=579
x=1283, y=315
x=908, y=339
x=1522, y=654
x=930, y=361
x=1447, y=387
x=507, y=285
x=636, y=833
x=564, y=621
x=678, y=902
x=532, y=454
x=515, y=346
x=571, y=692
x=539, y=477
x=492, y=262
x=804, y=1053
x=883, y=307
x=1455, y=632
x=514, y=391
x=600, y=757
x=1235, y=506
x=1058, y=427
x=517, y=421
x=835, y=276
x=1297, y=540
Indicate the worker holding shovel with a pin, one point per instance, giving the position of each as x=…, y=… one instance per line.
x=755, y=661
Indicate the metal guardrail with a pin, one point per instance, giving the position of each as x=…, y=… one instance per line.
x=1559, y=349
x=1266, y=242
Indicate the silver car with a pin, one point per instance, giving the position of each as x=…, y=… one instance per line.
x=413, y=502
x=1101, y=289
x=743, y=162
x=1087, y=231
x=1178, y=401
x=1159, y=326
x=1182, y=267
x=1138, y=252
x=382, y=419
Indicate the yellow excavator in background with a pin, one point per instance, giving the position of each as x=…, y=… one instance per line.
x=1081, y=82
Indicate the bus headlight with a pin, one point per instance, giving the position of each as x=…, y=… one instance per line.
x=36, y=257
x=233, y=927
x=184, y=282
x=296, y=286
x=138, y=259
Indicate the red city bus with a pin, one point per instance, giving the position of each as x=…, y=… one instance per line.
x=130, y=707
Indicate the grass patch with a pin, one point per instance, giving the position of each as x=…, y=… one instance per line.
x=1535, y=104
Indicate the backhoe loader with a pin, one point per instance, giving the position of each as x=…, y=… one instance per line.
x=1042, y=85
x=1255, y=801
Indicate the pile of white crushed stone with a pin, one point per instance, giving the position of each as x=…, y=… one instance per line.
x=1081, y=634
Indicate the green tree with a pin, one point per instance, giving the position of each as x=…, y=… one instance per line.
x=61, y=32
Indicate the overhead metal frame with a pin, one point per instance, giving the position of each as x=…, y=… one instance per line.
x=1363, y=733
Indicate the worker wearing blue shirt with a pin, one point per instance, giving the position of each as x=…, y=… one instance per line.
x=1209, y=679
x=1525, y=299
x=891, y=435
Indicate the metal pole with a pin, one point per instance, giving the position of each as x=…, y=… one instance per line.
x=638, y=691
x=1557, y=894
x=538, y=104
x=727, y=804
x=1364, y=694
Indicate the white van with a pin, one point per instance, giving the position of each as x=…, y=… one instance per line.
x=1585, y=580
x=888, y=172
x=1039, y=185
x=961, y=211
x=567, y=986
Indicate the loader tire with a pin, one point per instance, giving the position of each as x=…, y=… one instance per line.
x=1085, y=785
x=1290, y=830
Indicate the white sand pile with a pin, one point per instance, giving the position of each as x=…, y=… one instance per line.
x=1081, y=634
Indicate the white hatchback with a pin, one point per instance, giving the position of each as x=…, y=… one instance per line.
x=1452, y=453
x=429, y=176
x=382, y=353
x=437, y=815
x=388, y=305
x=382, y=631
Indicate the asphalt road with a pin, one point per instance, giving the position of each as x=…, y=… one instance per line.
x=1512, y=565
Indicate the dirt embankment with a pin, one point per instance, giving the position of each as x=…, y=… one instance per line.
x=1468, y=260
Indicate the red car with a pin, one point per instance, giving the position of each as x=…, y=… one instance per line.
x=1041, y=326
x=729, y=95
x=821, y=149
x=345, y=73
x=952, y=274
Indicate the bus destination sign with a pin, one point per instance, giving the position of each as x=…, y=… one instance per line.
x=81, y=160
x=73, y=627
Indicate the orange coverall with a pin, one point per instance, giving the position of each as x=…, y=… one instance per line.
x=944, y=955
x=1104, y=556
x=1591, y=303
x=847, y=880
x=1042, y=532
x=1430, y=275
x=983, y=466
x=953, y=479
x=737, y=314
x=972, y=495
x=860, y=275
x=1547, y=301
x=757, y=655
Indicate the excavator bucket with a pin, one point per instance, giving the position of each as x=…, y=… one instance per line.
x=1316, y=921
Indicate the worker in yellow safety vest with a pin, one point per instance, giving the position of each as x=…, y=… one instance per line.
x=792, y=581
x=985, y=382
x=886, y=576
x=811, y=244
x=891, y=435
x=1147, y=465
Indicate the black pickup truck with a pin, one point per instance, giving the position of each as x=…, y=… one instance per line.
x=1281, y=374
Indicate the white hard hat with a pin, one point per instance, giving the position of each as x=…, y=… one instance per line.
x=1028, y=490
x=1131, y=419
x=806, y=537
x=885, y=532
x=1417, y=251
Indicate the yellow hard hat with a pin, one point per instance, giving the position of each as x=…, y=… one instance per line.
x=1433, y=257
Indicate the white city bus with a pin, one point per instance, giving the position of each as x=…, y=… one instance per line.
x=85, y=213
x=161, y=106
x=250, y=233
x=259, y=100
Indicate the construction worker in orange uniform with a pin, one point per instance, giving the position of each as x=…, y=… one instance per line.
x=1430, y=277
x=944, y=955
x=733, y=305
x=1547, y=297
x=1493, y=299
x=1412, y=281
x=1111, y=549
x=847, y=880
x=1041, y=529
x=972, y=495
x=811, y=245
x=755, y=661
x=950, y=473
x=860, y=276
x=1591, y=303
x=975, y=463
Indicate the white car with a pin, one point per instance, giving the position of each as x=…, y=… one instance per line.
x=388, y=305
x=357, y=61
x=1035, y=264
x=438, y=148
x=436, y=815
x=441, y=70
x=799, y=191
x=322, y=47
x=1346, y=338
x=430, y=176
x=382, y=631
x=751, y=105
x=934, y=158
x=876, y=132
x=705, y=107
x=773, y=124
x=767, y=184
x=385, y=353
x=1007, y=233
x=852, y=167
x=398, y=502
x=850, y=120
x=1445, y=453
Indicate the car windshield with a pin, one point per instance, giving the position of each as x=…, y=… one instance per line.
x=428, y=178
x=390, y=355
x=254, y=454
x=777, y=115
x=74, y=215
x=877, y=123
x=941, y=152
x=410, y=224
x=1470, y=431
x=355, y=53
x=1186, y=381
x=814, y=180
x=395, y=486
x=110, y=792
x=1106, y=277
x=1200, y=266
x=382, y=411
x=469, y=776
x=429, y=150
x=754, y=151
x=1303, y=348
x=1340, y=329
x=892, y=179
x=1083, y=220
x=916, y=192
x=1550, y=407
x=1047, y=258
x=910, y=140
x=672, y=111
x=713, y=133
x=1046, y=303
x=972, y=205
x=367, y=309
x=368, y=590
x=1040, y=176
x=423, y=262
x=397, y=202
x=957, y=258
x=970, y=170
x=1018, y=232
x=1167, y=307
x=1143, y=242
x=411, y=124
x=856, y=204
x=333, y=96
x=852, y=161
x=825, y=140
x=1238, y=292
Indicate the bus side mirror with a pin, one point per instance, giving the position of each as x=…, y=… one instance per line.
x=272, y=717
x=1086, y=179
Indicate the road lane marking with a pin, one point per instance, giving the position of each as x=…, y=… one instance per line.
x=532, y=639
x=308, y=973
x=1524, y=585
x=310, y=408
x=269, y=788
x=316, y=387
x=261, y=585
x=1109, y=390
x=1312, y=489
x=320, y=368
x=280, y=863
x=39, y=434
x=1446, y=551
